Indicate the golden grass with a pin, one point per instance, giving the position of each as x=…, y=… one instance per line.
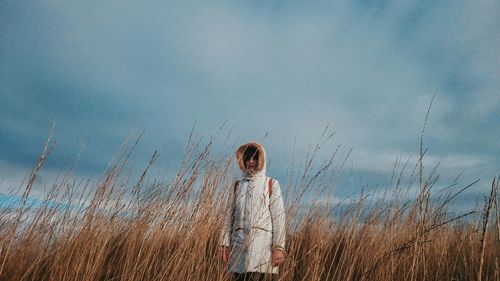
x=152, y=230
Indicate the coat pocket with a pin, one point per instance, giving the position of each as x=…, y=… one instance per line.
x=262, y=238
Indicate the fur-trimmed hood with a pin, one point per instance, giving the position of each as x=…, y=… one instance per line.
x=261, y=165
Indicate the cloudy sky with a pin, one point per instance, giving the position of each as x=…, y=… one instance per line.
x=282, y=68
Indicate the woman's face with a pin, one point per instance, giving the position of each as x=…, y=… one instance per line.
x=251, y=164
x=251, y=161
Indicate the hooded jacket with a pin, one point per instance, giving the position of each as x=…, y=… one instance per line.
x=255, y=221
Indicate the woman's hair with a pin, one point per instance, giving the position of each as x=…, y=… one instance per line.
x=251, y=151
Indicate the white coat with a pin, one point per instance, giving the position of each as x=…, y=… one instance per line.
x=255, y=221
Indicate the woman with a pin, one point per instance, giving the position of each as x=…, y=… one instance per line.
x=253, y=233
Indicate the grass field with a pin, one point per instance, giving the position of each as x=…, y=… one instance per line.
x=120, y=228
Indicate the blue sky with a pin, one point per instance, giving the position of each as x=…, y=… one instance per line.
x=282, y=68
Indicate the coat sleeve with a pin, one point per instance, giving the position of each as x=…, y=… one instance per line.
x=225, y=232
x=277, y=208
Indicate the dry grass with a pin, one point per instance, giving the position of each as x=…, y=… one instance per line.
x=152, y=230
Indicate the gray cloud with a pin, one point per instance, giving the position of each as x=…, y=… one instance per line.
x=287, y=68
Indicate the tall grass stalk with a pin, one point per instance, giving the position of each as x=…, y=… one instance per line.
x=118, y=228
